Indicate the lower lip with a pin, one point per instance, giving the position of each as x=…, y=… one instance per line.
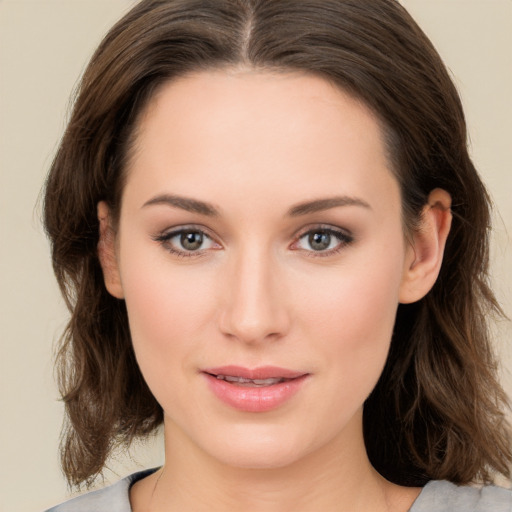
x=254, y=399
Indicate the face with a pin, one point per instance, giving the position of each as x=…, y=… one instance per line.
x=261, y=255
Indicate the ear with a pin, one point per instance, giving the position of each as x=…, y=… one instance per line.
x=107, y=252
x=424, y=254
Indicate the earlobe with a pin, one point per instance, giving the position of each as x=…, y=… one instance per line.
x=107, y=252
x=425, y=253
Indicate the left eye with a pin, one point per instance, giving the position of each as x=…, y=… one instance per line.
x=322, y=240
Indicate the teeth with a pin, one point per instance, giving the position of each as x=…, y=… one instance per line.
x=230, y=378
x=266, y=382
x=253, y=382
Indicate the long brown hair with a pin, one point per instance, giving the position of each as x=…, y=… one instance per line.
x=437, y=411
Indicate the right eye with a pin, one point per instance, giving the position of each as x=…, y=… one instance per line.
x=186, y=242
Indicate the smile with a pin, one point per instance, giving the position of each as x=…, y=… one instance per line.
x=259, y=390
x=241, y=381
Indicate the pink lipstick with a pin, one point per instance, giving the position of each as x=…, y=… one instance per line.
x=257, y=390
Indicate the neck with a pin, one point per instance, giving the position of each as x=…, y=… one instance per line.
x=337, y=477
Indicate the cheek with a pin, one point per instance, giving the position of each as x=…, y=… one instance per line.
x=362, y=293
x=350, y=317
x=163, y=303
x=169, y=312
x=169, y=328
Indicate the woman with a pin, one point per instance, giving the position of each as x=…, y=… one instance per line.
x=272, y=239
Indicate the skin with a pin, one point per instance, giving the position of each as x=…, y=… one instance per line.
x=254, y=145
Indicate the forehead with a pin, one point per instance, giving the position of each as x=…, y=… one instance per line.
x=257, y=131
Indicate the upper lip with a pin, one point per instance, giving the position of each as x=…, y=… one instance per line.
x=261, y=372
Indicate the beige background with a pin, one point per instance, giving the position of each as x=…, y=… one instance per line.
x=44, y=45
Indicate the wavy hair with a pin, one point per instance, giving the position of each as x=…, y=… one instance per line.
x=437, y=410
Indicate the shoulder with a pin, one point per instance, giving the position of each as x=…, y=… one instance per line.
x=114, y=498
x=442, y=496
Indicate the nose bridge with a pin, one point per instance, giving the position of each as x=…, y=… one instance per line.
x=254, y=310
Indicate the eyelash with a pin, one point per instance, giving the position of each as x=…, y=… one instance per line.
x=165, y=240
x=344, y=239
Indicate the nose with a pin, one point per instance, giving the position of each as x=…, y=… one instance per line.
x=255, y=300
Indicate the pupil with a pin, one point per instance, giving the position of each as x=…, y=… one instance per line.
x=191, y=240
x=319, y=241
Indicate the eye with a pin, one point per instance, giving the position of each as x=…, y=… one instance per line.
x=190, y=240
x=187, y=241
x=324, y=241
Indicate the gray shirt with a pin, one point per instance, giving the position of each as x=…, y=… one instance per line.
x=436, y=496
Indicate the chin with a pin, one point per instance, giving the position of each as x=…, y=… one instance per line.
x=260, y=459
x=258, y=448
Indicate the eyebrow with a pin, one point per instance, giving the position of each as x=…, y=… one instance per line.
x=203, y=208
x=184, y=203
x=319, y=205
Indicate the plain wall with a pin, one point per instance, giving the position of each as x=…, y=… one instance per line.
x=44, y=45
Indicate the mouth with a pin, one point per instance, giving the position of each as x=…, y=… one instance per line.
x=250, y=383
x=259, y=377
x=257, y=390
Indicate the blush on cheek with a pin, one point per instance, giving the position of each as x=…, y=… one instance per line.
x=354, y=323
x=169, y=314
